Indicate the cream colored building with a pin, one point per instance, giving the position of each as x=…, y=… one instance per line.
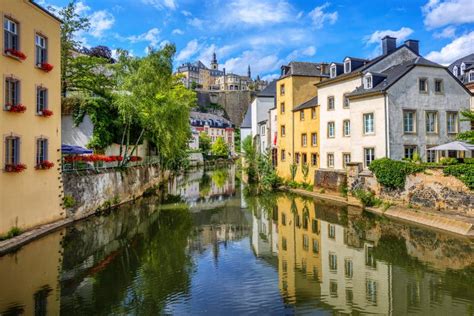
x=30, y=123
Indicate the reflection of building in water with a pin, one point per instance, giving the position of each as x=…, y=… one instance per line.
x=29, y=278
x=264, y=233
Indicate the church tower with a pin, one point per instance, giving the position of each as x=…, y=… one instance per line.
x=249, y=73
x=214, y=64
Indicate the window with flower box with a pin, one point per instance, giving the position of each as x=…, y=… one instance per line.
x=41, y=100
x=12, y=94
x=41, y=50
x=10, y=37
x=12, y=154
x=41, y=151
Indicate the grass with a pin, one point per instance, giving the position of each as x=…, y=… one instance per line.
x=13, y=232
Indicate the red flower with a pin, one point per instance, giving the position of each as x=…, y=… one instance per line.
x=17, y=108
x=15, y=53
x=44, y=165
x=46, y=113
x=46, y=67
x=15, y=167
x=135, y=158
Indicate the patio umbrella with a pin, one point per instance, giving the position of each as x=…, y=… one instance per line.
x=74, y=150
x=456, y=145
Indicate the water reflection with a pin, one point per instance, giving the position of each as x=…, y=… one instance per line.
x=205, y=249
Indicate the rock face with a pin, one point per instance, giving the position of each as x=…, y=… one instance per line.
x=329, y=179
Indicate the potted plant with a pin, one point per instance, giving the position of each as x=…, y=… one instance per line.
x=15, y=53
x=45, y=113
x=17, y=168
x=44, y=165
x=45, y=67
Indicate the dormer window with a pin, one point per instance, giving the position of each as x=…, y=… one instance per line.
x=333, y=71
x=347, y=66
x=368, y=81
x=463, y=68
x=455, y=71
x=471, y=76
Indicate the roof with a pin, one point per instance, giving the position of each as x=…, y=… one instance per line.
x=46, y=11
x=297, y=68
x=311, y=103
x=213, y=120
x=247, y=122
x=456, y=145
x=269, y=91
x=392, y=75
x=469, y=59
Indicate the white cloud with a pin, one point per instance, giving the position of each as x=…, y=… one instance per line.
x=195, y=22
x=309, y=51
x=258, y=61
x=189, y=51
x=81, y=7
x=458, y=48
x=177, y=32
x=441, y=13
x=400, y=35
x=100, y=21
x=161, y=4
x=186, y=13
x=152, y=36
x=319, y=17
x=262, y=12
x=448, y=32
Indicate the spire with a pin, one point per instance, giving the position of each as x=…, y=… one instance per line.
x=249, y=73
x=214, y=58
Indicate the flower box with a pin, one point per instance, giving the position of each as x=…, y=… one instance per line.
x=15, y=53
x=45, y=67
x=44, y=165
x=15, y=108
x=17, y=168
x=45, y=113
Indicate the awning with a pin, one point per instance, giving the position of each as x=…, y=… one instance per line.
x=456, y=146
x=74, y=150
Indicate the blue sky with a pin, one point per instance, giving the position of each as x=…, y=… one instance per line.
x=269, y=33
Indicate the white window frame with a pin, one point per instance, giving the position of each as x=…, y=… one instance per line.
x=304, y=140
x=345, y=161
x=431, y=122
x=463, y=68
x=367, y=151
x=413, y=122
x=347, y=65
x=331, y=103
x=41, y=49
x=41, y=150
x=330, y=160
x=331, y=129
x=366, y=126
x=471, y=76
x=368, y=81
x=333, y=71
x=39, y=99
x=455, y=122
x=455, y=71
x=346, y=128
x=10, y=31
x=314, y=139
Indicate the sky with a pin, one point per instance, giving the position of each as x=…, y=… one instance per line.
x=266, y=34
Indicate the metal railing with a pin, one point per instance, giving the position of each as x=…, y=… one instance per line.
x=102, y=166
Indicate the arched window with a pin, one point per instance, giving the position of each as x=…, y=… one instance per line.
x=463, y=68
x=455, y=71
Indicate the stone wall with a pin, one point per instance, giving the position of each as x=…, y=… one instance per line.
x=92, y=190
x=430, y=189
x=329, y=179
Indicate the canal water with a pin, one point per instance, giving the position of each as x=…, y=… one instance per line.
x=209, y=248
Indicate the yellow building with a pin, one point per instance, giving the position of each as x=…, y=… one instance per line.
x=30, y=123
x=297, y=94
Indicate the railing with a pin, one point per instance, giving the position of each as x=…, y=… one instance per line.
x=101, y=166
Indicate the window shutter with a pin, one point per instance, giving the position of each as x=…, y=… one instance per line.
x=46, y=104
x=7, y=151
x=16, y=147
x=45, y=150
x=17, y=92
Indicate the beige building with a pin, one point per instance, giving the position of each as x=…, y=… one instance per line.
x=30, y=123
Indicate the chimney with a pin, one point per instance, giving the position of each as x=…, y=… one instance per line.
x=389, y=44
x=413, y=45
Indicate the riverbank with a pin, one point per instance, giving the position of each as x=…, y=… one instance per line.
x=456, y=224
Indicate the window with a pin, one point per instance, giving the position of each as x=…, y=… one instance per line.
x=282, y=107
x=297, y=158
x=330, y=103
x=40, y=50
x=439, y=86
x=471, y=76
x=463, y=68
x=283, y=155
x=452, y=122
x=430, y=155
x=332, y=262
x=41, y=150
x=331, y=130
x=302, y=115
x=409, y=121
x=305, y=158
x=314, y=226
x=455, y=71
x=423, y=85
x=263, y=130
x=368, y=82
x=304, y=140
x=282, y=89
x=346, y=128
x=330, y=160
x=313, y=112
x=431, y=122
x=409, y=151
x=314, y=159
x=12, y=91
x=369, y=156
x=332, y=71
x=283, y=243
x=346, y=158
x=333, y=288
x=331, y=231
x=283, y=219
x=347, y=66
x=346, y=103
x=348, y=268
x=41, y=99
x=282, y=129
x=369, y=123
x=12, y=150
x=10, y=35
x=314, y=139
x=315, y=246
x=371, y=291
x=305, y=242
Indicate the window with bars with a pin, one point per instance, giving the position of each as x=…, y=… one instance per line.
x=41, y=51
x=41, y=150
x=41, y=99
x=12, y=91
x=12, y=150
x=10, y=31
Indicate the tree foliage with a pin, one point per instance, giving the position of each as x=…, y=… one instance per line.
x=469, y=135
x=392, y=173
x=220, y=148
x=204, y=142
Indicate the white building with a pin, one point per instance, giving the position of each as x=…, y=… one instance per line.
x=391, y=106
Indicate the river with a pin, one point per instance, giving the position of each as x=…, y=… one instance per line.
x=208, y=247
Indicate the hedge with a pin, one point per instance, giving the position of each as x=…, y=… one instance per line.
x=392, y=173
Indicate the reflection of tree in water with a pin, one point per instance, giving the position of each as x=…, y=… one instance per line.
x=205, y=185
x=144, y=272
x=219, y=177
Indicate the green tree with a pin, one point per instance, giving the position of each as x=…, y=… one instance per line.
x=250, y=156
x=469, y=135
x=220, y=148
x=204, y=142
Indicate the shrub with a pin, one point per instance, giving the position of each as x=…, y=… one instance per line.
x=448, y=161
x=464, y=172
x=69, y=201
x=293, y=170
x=469, y=160
x=305, y=172
x=367, y=198
x=392, y=173
x=13, y=232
